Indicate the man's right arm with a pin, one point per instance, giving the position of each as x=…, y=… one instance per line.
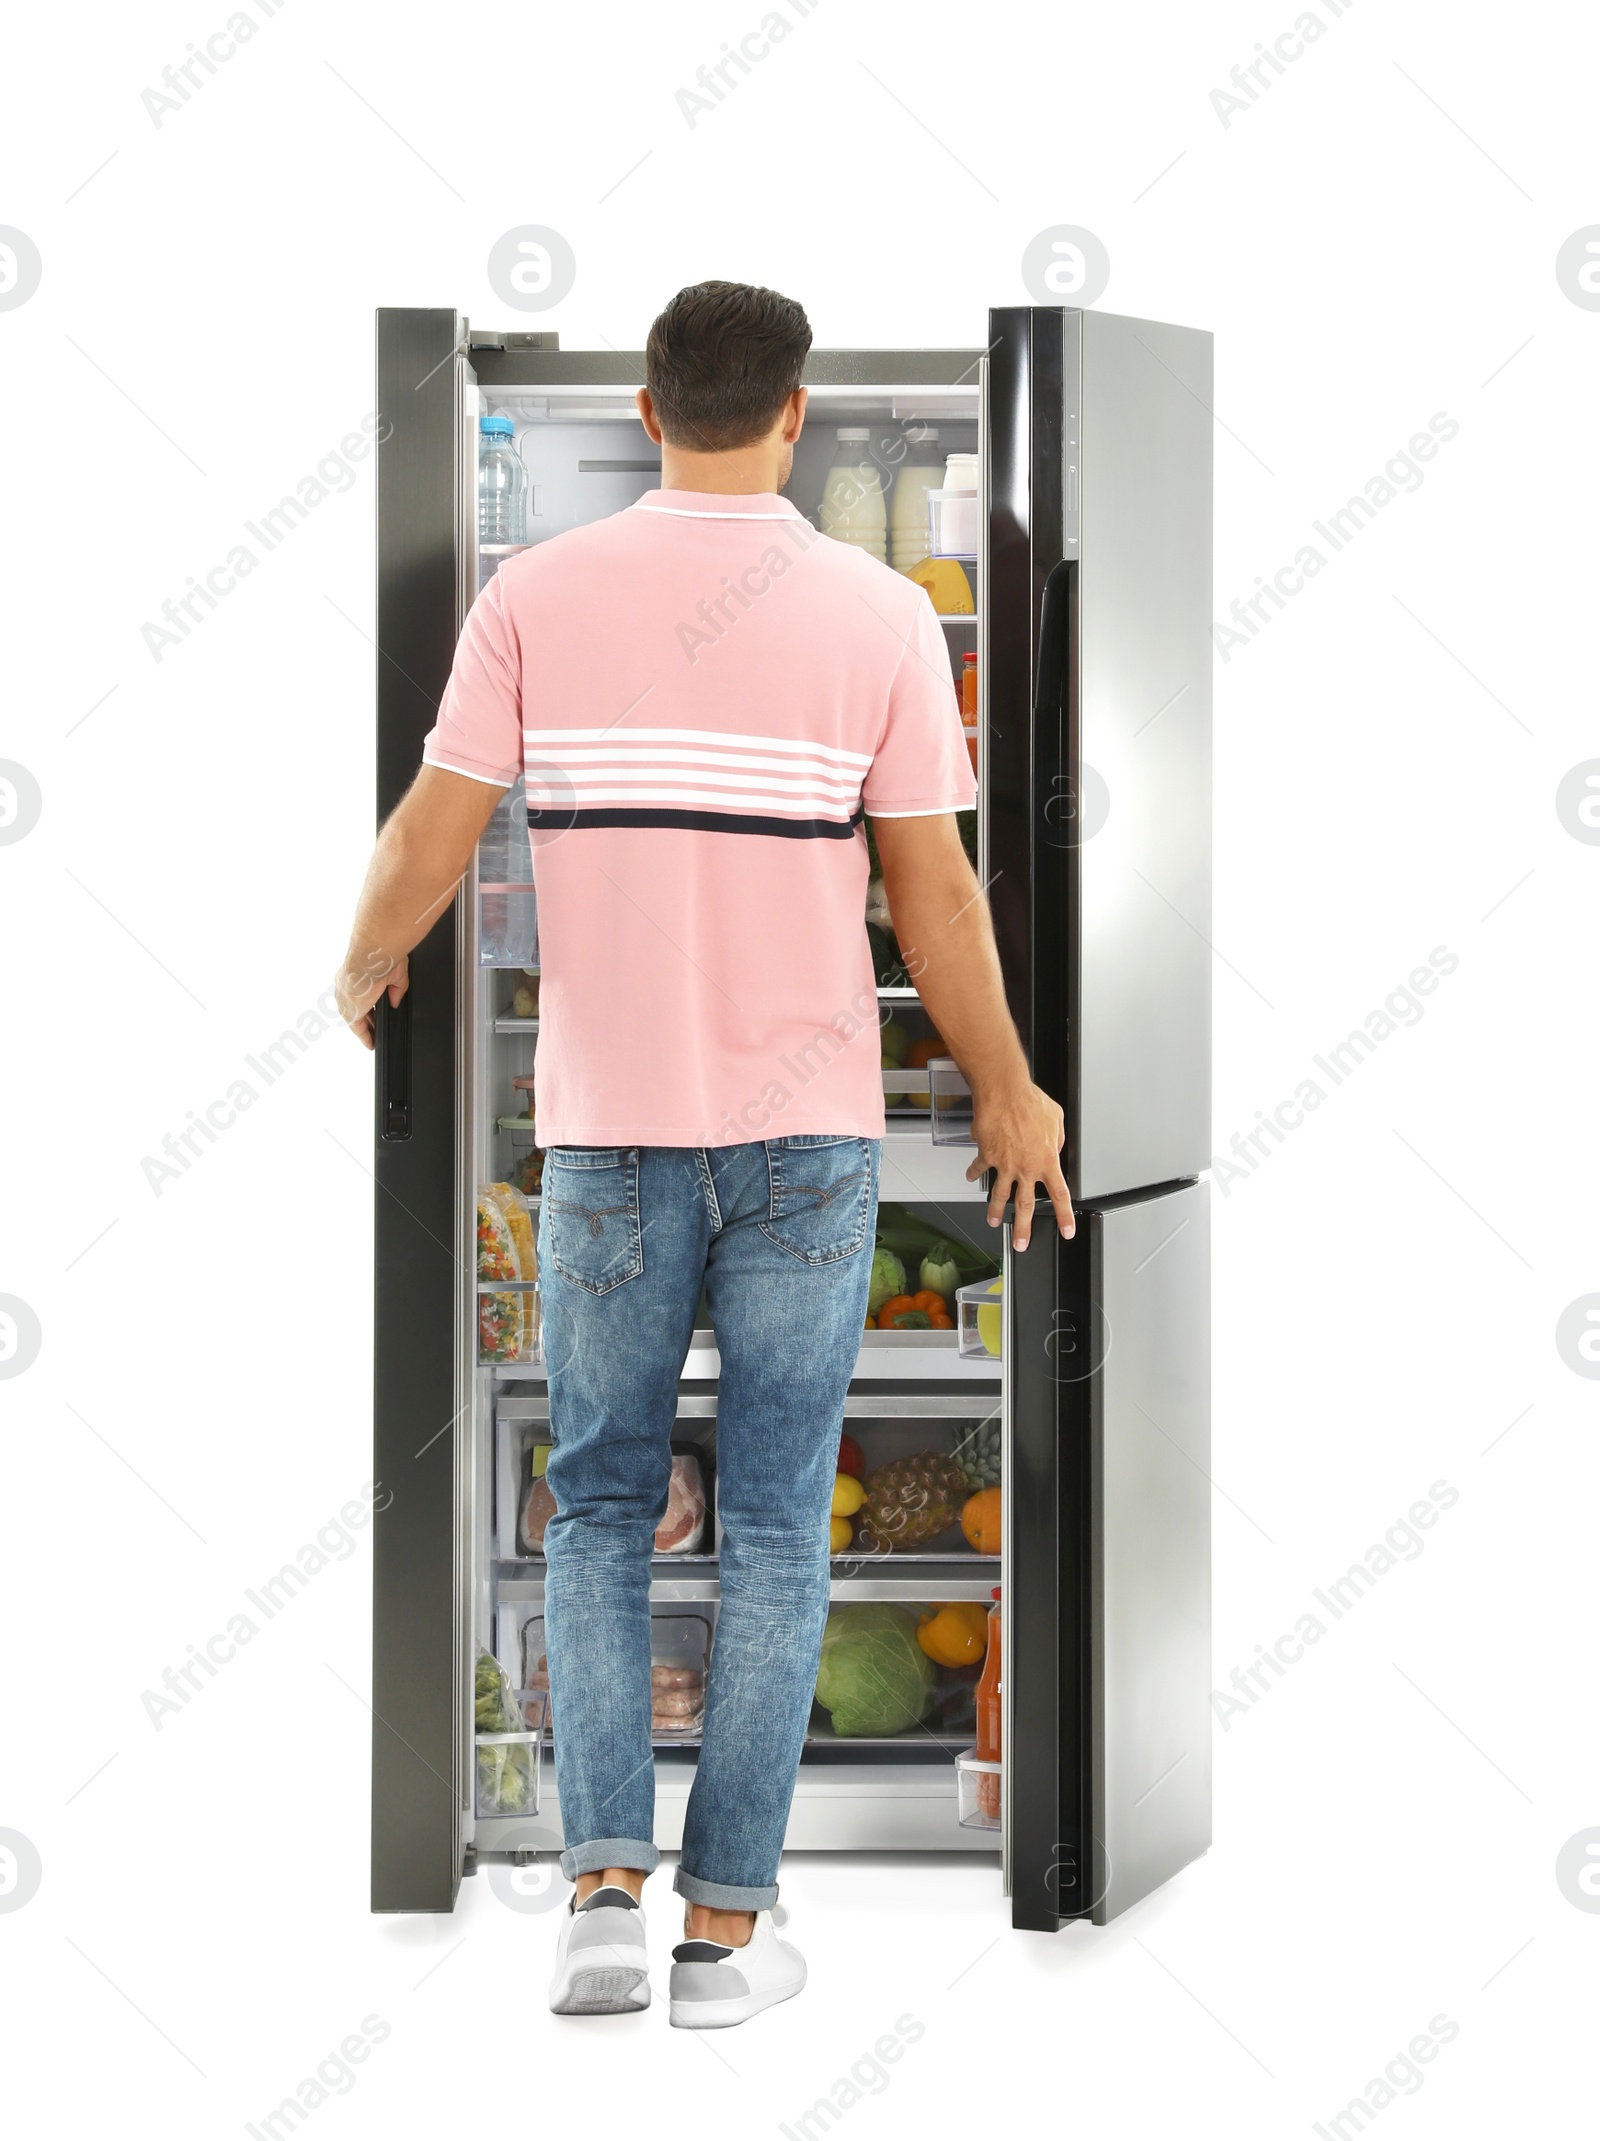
x=422, y=853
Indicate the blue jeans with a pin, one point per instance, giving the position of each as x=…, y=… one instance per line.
x=780, y=1235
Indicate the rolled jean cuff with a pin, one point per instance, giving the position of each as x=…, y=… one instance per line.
x=610, y=1851
x=718, y=1896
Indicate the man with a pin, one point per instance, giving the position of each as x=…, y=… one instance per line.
x=704, y=696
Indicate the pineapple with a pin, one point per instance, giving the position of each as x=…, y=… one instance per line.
x=978, y=1454
x=909, y=1502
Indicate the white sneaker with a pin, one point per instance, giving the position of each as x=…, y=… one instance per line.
x=713, y=1987
x=601, y=1965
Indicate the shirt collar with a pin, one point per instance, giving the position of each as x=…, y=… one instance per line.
x=718, y=505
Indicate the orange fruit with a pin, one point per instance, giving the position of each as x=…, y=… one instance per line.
x=980, y=1520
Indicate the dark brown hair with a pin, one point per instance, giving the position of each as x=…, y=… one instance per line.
x=720, y=362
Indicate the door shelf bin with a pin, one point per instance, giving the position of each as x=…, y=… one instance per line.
x=508, y=926
x=508, y=1323
x=977, y=1791
x=980, y=1320
x=519, y=1156
x=950, y=1103
x=509, y=1765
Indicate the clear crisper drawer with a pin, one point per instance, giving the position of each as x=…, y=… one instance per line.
x=898, y=1673
x=524, y=1503
x=912, y=1489
x=680, y=1653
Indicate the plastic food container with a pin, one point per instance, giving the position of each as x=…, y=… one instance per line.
x=977, y=1791
x=980, y=1311
x=949, y=1103
x=953, y=524
x=680, y=1644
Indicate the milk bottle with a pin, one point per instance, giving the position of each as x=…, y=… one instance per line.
x=908, y=517
x=853, y=508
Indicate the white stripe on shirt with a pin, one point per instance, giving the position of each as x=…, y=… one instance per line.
x=700, y=738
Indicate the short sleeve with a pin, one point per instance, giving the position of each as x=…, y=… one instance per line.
x=479, y=729
x=921, y=768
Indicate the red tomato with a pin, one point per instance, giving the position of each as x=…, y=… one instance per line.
x=851, y=1459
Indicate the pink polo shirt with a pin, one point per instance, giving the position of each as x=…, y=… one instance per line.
x=703, y=695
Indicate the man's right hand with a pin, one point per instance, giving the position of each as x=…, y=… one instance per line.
x=358, y=989
x=1019, y=1132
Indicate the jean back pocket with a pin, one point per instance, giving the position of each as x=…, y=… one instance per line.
x=822, y=1196
x=591, y=1210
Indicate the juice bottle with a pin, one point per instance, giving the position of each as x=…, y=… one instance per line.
x=986, y=1697
x=969, y=705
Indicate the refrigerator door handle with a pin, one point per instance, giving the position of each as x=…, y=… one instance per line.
x=1052, y=741
x=394, y=1068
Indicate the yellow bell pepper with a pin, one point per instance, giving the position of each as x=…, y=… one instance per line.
x=956, y=1634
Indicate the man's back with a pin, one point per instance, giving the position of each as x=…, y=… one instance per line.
x=703, y=695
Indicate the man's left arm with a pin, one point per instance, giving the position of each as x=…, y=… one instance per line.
x=941, y=922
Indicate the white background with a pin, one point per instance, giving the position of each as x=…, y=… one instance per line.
x=1372, y=241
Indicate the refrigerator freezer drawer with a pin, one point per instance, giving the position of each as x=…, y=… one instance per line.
x=1107, y=1719
x=1150, y=1497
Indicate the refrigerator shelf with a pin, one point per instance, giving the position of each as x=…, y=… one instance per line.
x=934, y=1740
x=946, y=1366
x=859, y=1405
x=510, y=1567
x=972, y=1578
x=691, y=1406
x=522, y=1583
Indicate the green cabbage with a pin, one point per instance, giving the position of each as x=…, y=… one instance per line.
x=888, y=1279
x=874, y=1675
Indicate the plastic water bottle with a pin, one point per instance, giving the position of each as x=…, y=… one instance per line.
x=502, y=483
x=508, y=923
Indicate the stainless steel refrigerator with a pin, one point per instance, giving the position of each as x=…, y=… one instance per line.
x=1090, y=623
